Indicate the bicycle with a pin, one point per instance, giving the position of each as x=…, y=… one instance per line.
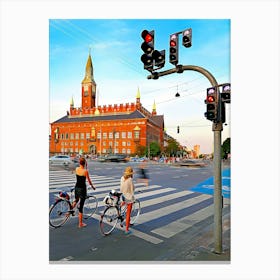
x=62, y=209
x=115, y=211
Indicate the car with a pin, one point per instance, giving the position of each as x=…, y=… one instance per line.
x=60, y=160
x=190, y=163
x=116, y=158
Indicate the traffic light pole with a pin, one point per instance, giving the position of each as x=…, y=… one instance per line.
x=217, y=129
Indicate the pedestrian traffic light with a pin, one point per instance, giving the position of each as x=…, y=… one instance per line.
x=173, y=49
x=211, y=104
x=159, y=58
x=225, y=95
x=178, y=129
x=148, y=47
x=223, y=113
x=187, y=38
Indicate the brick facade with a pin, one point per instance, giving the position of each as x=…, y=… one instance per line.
x=118, y=128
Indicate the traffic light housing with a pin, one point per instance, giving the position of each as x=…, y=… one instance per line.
x=159, y=58
x=148, y=47
x=212, y=104
x=187, y=38
x=173, y=49
x=225, y=95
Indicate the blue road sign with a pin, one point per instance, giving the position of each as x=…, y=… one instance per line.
x=207, y=186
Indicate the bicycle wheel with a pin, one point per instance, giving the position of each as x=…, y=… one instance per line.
x=90, y=206
x=135, y=211
x=108, y=220
x=59, y=213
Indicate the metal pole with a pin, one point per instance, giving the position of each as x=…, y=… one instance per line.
x=218, y=200
x=217, y=128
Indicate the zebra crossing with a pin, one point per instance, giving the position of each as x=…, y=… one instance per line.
x=165, y=211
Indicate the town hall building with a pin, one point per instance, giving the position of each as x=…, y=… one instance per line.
x=119, y=129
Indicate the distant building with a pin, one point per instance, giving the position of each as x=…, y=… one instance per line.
x=196, y=151
x=94, y=129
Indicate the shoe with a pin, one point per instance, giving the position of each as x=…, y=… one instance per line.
x=127, y=232
x=82, y=225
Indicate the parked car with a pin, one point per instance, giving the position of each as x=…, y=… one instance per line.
x=60, y=160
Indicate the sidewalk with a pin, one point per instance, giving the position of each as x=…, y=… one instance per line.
x=203, y=246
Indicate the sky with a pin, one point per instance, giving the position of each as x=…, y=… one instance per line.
x=115, y=48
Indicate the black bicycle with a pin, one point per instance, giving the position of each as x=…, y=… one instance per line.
x=62, y=209
x=115, y=211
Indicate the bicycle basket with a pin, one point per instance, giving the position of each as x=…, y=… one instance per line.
x=111, y=199
x=64, y=195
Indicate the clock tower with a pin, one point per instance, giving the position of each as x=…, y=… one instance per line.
x=88, y=87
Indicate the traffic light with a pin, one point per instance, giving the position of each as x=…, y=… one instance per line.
x=211, y=104
x=187, y=38
x=223, y=112
x=226, y=93
x=178, y=129
x=173, y=49
x=148, y=48
x=159, y=58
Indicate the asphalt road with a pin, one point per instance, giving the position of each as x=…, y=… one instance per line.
x=173, y=224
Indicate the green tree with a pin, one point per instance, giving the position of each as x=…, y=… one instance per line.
x=172, y=147
x=154, y=149
x=226, y=148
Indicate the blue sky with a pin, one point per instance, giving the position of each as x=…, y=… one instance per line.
x=118, y=71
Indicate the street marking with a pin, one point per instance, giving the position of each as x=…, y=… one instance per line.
x=185, y=222
x=69, y=258
x=147, y=217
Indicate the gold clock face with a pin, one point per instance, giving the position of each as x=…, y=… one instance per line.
x=86, y=87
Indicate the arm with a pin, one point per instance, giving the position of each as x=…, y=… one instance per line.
x=88, y=178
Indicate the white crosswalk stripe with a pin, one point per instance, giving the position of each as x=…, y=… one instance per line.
x=153, y=198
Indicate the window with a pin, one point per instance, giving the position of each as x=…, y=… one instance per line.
x=77, y=136
x=136, y=134
x=98, y=135
x=124, y=143
x=117, y=135
x=128, y=143
x=82, y=136
x=87, y=135
x=71, y=135
x=104, y=135
x=66, y=136
x=110, y=135
x=123, y=150
x=124, y=135
x=129, y=135
x=128, y=151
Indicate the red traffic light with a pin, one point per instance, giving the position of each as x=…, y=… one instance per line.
x=147, y=36
x=210, y=98
x=173, y=43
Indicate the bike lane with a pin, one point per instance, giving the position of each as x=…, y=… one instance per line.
x=207, y=186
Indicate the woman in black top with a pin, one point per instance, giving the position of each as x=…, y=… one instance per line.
x=81, y=188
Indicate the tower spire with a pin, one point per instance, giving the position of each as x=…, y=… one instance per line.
x=154, y=111
x=138, y=104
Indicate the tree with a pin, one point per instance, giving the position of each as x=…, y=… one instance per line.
x=226, y=148
x=154, y=149
x=172, y=147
